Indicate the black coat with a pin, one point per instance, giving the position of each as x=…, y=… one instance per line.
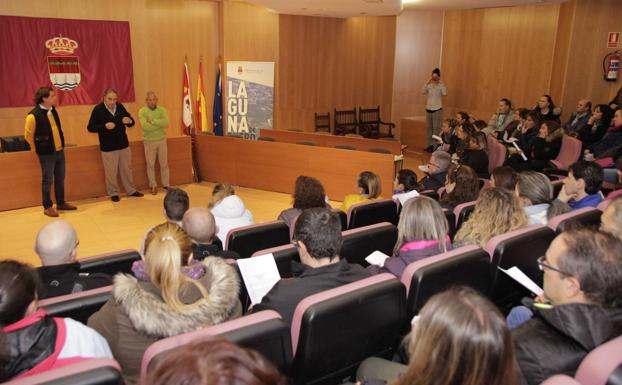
x=477, y=160
x=110, y=140
x=66, y=279
x=556, y=340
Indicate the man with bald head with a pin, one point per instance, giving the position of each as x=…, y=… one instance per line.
x=579, y=118
x=154, y=121
x=200, y=225
x=56, y=245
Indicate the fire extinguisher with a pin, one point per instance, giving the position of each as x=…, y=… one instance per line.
x=611, y=66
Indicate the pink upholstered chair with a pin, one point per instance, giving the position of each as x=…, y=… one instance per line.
x=569, y=152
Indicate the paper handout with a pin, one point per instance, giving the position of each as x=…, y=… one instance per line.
x=259, y=274
x=524, y=280
x=377, y=258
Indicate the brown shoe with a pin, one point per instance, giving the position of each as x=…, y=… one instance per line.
x=154, y=191
x=66, y=206
x=50, y=212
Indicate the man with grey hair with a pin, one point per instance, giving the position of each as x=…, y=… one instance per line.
x=56, y=245
x=579, y=118
x=436, y=171
x=200, y=225
x=154, y=121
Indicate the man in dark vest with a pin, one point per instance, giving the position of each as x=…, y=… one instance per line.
x=43, y=133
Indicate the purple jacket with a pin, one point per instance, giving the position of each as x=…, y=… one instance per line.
x=409, y=252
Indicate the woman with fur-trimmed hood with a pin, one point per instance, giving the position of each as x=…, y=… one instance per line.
x=169, y=303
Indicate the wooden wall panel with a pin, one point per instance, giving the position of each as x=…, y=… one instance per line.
x=162, y=32
x=85, y=172
x=327, y=63
x=492, y=53
x=417, y=52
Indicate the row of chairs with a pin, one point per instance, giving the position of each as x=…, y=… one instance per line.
x=365, y=122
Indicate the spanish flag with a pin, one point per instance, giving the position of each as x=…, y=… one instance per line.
x=202, y=125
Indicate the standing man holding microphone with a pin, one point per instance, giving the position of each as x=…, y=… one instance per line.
x=154, y=121
x=434, y=89
x=43, y=133
x=109, y=120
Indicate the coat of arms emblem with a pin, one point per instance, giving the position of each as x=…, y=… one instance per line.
x=63, y=66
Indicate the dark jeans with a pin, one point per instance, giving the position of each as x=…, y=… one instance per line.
x=52, y=170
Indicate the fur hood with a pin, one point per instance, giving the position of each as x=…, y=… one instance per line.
x=144, y=306
x=557, y=134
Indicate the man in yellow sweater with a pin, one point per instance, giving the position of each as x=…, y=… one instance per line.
x=43, y=133
x=154, y=120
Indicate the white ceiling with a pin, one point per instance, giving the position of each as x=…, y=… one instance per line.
x=349, y=8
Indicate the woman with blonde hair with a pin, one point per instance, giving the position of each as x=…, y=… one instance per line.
x=369, y=187
x=458, y=338
x=229, y=210
x=169, y=303
x=421, y=233
x=497, y=211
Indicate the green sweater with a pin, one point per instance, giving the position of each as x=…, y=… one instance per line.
x=156, y=130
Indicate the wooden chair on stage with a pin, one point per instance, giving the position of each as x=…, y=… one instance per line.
x=369, y=123
x=346, y=122
x=322, y=122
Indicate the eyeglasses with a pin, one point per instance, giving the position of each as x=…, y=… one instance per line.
x=542, y=265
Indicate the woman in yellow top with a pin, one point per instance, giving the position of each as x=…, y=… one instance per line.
x=369, y=187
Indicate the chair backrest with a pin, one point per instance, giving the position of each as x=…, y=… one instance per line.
x=614, y=194
x=463, y=212
x=496, y=153
x=79, y=306
x=110, y=263
x=263, y=331
x=466, y=266
x=520, y=248
x=431, y=194
x=569, y=153
x=345, y=117
x=360, y=242
x=343, y=219
x=91, y=371
x=584, y=217
x=248, y=239
x=369, y=115
x=322, y=122
x=333, y=331
x=602, y=365
x=561, y=379
x=371, y=212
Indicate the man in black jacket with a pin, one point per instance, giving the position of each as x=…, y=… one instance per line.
x=581, y=307
x=44, y=134
x=317, y=236
x=56, y=246
x=436, y=171
x=109, y=120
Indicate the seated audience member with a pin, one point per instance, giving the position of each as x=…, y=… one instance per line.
x=176, y=203
x=459, y=338
x=546, y=109
x=214, y=362
x=422, y=232
x=200, y=225
x=308, y=193
x=583, y=286
x=616, y=102
x=582, y=186
x=613, y=174
x=462, y=186
x=462, y=117
x=436, y=171
x=596, y=125
x=369, y=187
x=523, y=137
x=500, y=120
x=535, y=193
x=612, y=139
x=579, y=118
x=546, y=146
x=479, y=126
x=463, y=134
x=476, y=155
x=520, y=115
x=611, y=220
x=30, y=341
x=497, y=211
x=448, y=136
x=168, y=303
x=229, y=210
x=404, y=185
x=317, y=235
x=504, y=177
x=57, y=248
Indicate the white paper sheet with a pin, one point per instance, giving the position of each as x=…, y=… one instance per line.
x=377, y=258
x=259, y=274
x=524, y=280
x=403, y=197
